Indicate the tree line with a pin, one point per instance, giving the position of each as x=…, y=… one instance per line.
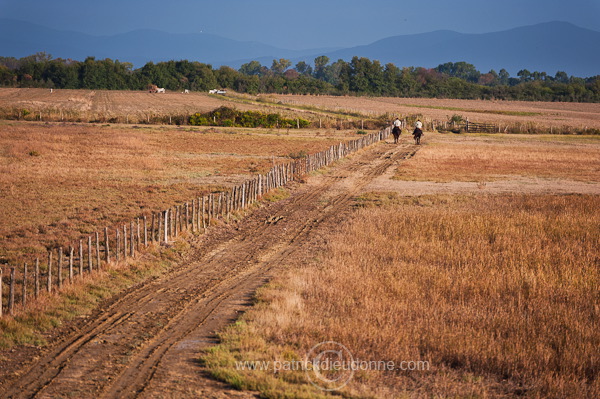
x=360, y=76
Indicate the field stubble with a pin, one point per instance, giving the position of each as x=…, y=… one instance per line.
x=543, y=114
x=498, y=293
x=60, y=182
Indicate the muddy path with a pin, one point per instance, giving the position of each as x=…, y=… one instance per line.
x=146, y=342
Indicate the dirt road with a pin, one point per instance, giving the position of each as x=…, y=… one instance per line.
x=145, y=343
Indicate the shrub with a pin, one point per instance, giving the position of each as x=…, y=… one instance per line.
x=229, y=117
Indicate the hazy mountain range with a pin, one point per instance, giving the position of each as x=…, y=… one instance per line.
x=547, y=47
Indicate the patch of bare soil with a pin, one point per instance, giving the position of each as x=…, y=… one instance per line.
x=512, y=184
x=146, y=342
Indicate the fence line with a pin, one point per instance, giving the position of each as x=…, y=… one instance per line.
x=169, y=224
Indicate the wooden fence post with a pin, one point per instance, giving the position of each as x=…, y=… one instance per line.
x=174, y=220
x=243, y=195
x=166, y=223
x=24, y=300
x=11, y=292
x=90, y=254
x=210, y=208
x=138, y=236
x=124, y=242
x=203, y=212
x=179, y=221
x=117, y=245
x=1, y=291
x=59, y=270
x=187, y=216
x=81, y=260
x=194, y=215
x=160, y=223
x=152, y=228
x=145, y=231
x=49, y=288
x=131, y=239
x=106, y=246
x=97, y=251
x=36, y=287
x=219, y=205
x=71, y=250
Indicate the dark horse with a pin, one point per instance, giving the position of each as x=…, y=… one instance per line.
x=396, y=132
x=417, y=135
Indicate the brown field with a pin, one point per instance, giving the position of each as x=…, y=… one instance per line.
x=576, y=115
x=484, y=158
x=104, y=105
x=463, y=258
x=477, y=254
x=140, y=106
x=497, y=295
x=58, y=182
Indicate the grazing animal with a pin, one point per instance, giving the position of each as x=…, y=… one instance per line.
x=160, y=90
x=186, y=91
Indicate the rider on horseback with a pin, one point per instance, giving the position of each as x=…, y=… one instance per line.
x=396, y=131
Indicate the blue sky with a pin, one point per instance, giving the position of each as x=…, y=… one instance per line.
x=300, y=24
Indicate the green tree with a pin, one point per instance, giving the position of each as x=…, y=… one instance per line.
x=280, y=66
x=320, y=64
x=503, y=77
x=303, y=68
x=524, y=75
x=251, y=68
x=562, y=77
x=226, y=76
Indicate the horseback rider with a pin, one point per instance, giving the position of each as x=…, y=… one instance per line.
x=396, y=131
x=418, y=132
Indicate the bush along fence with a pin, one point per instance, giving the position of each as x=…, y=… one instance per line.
x=20, y=286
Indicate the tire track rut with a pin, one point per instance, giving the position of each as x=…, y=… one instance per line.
x=147, y=341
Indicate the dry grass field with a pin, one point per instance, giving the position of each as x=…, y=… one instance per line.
x=94, y=104
x=482, y=158
x=495, y=290
x=474, y=254
x=497, y=294
x=141, y=107
x=547, y=114
x=62, y=181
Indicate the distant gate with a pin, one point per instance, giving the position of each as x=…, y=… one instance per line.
x=472, y=127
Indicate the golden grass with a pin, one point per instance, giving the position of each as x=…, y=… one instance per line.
x=498, y=293
x=556, y=114
x=60, y=182
x=475, y=158
x=31, y=326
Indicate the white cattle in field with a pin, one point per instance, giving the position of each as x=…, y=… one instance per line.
x=160, y=90
x=186, y=91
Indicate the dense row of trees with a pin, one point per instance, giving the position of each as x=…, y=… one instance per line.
x=360, y=76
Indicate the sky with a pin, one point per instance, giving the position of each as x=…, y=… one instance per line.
x=300, y=24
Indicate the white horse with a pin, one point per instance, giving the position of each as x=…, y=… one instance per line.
x=160, y=90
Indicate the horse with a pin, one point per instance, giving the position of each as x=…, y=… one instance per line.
x=396, y=132
x=417, y=135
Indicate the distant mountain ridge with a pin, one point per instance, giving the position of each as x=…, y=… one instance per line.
x=20, y=39
x=547, y=47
